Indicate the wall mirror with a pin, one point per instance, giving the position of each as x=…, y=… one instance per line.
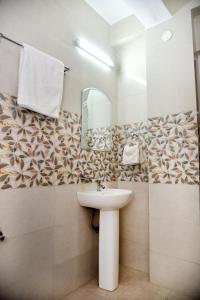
x=96, y=131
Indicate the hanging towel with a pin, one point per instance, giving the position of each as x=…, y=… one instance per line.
x=131, y=154
x=40, y=82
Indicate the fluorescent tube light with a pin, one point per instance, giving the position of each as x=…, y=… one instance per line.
x=136, y=78
x=94, y=52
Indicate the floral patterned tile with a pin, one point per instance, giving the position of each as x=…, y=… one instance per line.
x=39, y=151
x=7, y=173
x=41, y=172
x=173, y=149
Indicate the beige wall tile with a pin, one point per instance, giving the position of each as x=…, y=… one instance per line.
x=73, y=273
x=38, y=287
x=134, y=227
x=174, y=236
x=176, y=239
x=140, y=202
x=67, y=209
x=134, y=255
x=26, y=210
x=71, y=241
x=174, y=202
x=174, y=273
x=24, y=258
x=134, y=218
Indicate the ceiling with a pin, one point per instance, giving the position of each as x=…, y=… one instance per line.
x=148, y=12
x=111, y=10
x=175, y=5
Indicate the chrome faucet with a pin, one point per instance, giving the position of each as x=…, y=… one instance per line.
x=100, y=186
x=88, y=179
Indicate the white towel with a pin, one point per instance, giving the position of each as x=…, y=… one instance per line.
x=131, y=154
x=40, y=82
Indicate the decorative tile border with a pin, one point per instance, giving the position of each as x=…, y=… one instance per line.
x=40, y=151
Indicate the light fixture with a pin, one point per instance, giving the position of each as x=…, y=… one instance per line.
x=94, y=52
x=166, y=36
x=136, y=78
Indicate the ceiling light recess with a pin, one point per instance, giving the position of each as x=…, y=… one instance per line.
x=94, y=52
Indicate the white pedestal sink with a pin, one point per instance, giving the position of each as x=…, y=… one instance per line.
x=108, y=201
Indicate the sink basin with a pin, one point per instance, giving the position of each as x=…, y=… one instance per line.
x=108, y=199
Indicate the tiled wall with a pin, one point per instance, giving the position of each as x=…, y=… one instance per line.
x=40, y=151
x=173, y=208
x=130, y=133
x=39, y=260
x=50, y=247
x=168, y=150
x=134, y=227
x=173, y=149
x=174, y=226
x=160, y=227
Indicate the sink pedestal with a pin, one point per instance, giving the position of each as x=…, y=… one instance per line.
x=109, y=201
x=109, y=249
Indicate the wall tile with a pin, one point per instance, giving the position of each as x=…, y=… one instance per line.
x=172, y=203
x=173, y=149
x=43, y=282
x=176, y=239
x=66, y=204
x=175, y=274
x=73, y=273
x=134, y=255
x=74, y=241
x=24, y=259
x=41, y=151
x=134, y=227
x=27, y=211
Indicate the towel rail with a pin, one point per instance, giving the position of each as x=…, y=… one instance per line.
x=19, y=44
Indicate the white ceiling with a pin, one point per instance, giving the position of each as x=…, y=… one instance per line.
x=148, y=12
x=111, y=10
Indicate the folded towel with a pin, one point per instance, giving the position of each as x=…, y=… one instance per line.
x=131, y=154
x=40, y=82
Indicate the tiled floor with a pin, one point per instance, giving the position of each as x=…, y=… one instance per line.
x=134, y=285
